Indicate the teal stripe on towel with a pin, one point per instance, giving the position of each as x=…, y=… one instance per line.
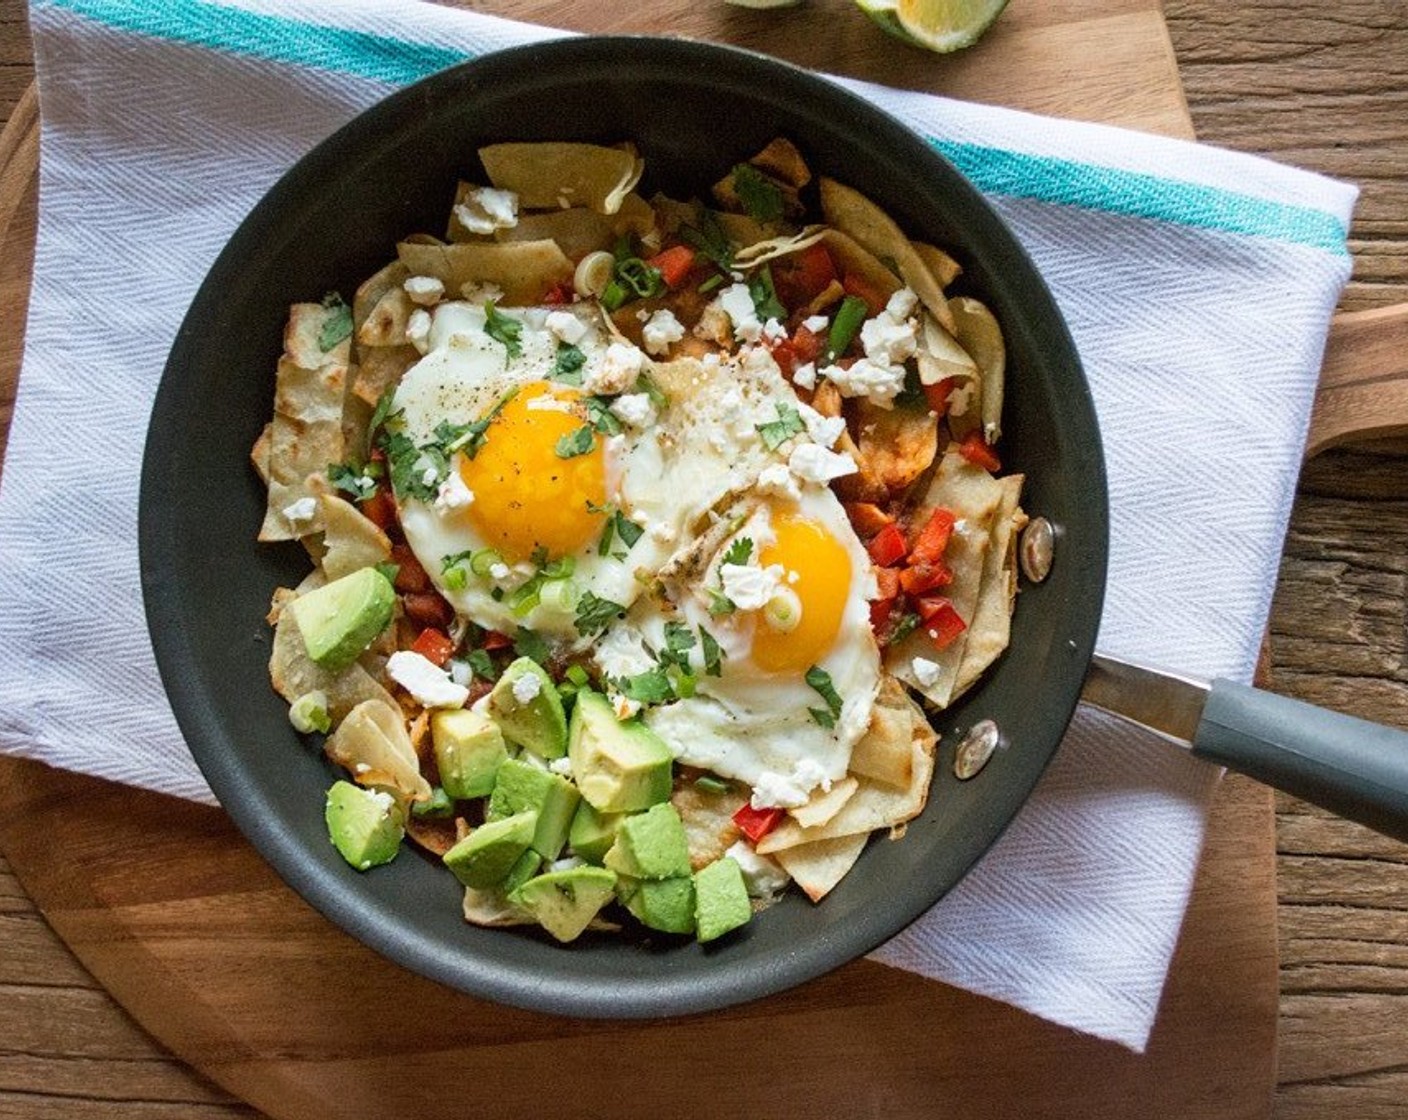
x=993, y=170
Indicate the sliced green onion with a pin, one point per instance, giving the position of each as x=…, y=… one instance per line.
x=483, y=560
x=593, y=273
x=783, y=612
x=577, y=675
x=309, y=713
x=710, y=784
x=454, y=578
x=559, y=596
x=844, y=328
x=614, y=295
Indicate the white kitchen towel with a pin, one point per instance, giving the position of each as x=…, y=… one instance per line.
x=1198, y=284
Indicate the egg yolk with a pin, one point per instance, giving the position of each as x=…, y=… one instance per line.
x=526, y=495
x=823, y=584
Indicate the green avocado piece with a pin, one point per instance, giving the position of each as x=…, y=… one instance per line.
x=524, y=869
x=663, y=904
x=592, y=833
x=340, y=619
x=528, y=708
x=565, y=902
x=484, y=858
x=520, y=786
x=720, y=899
x=365, y=825
x=440, y=807
x=469, y=748
x=620, y=766
x=651, y=845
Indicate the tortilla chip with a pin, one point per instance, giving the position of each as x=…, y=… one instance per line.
x=385, y=323
x=558, y=175
x=819, y=866
x=351, y=541
x=883, y=753
x=303, y=337
x=978, y=332
x=941, y=266
x=897, y=444
x=823, y=806
x=760, y=252
x=577, y=231
x=708, y=820
x=371, y=743
x=294, y=674
x=259, y=453
x=524, y=270
x=781, y=160
x=854, y=214
x=491, y=908
x=939, y=355
x=370, y=291
x=380, y=368
x=743, y=230
x=991, y=626
x=306, y=435
x=852, y=258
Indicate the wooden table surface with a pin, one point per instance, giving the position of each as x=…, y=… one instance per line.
x=1321, y=86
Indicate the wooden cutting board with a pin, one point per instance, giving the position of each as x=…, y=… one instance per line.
x=189, y=930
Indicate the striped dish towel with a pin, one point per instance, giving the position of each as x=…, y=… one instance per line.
x=1198, y=285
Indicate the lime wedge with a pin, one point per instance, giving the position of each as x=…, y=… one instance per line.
x=936, y=25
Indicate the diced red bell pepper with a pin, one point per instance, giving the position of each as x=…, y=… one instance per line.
x=494, y=640
x=880, y=611
x=380, y=509
x=888, y=546
x=674, y=265
x=410, y=576
x=940, y=620
x=428, y=609
x=932, y=542
x=887, y=583
x=558, y=294
x=978, y=452
x=800, y=277
x=757, y=823
x=856, y=285
x=920, y=578
x=434, y=645
x=806, y=345
x=937, y=394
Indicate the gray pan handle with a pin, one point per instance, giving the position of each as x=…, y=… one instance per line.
x=1356, y=769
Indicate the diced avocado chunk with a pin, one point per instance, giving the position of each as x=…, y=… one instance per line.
x=620, y=766
x=592, y=833
x=441, y=806
x=527, y=707
x=663, y=904
x=720, y=899
x=340, y=619
x=484, y=858
x=519, y=786
x=365, y=825
x=469, y=748
x=565, y=902
x=651, y=845
x=524, y=869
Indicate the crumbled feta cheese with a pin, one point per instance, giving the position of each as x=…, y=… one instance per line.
x=566, y=863
x=428, y=475
x=561, y=766
x=481, y=291
x=633, y=409
x=805, y=375
x=777, y=791
x=526, y=687
x=485, y=209
x=749, y=586
x=775, y=478
x=424, y=290
x=624, y=706
x=499, y=570
x=887, y=341
x=926, y=672
x=880, y=384
x=660, y=330
x=300, y=512
x=453, y=493
x=737, y=303
x=616, y=371
x=460, y=672
x=418, y=329
x=762, y=876
x=813, y=463
x=816, y=323
x=774, y=331
x=425, y=680
x=565, y=327
x=825, y=430
x=901, y=305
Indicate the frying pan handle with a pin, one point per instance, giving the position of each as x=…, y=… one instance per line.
x=1354, y=768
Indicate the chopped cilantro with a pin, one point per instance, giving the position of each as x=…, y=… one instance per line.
x=709, y=240
x=337, y=326
x=503, y=328
x=619, y=525
x=594, y=613
x=389, y=570
x=529, y=643
x=351, y=480
x=600, y=416
x=407, y=467
x=761, y=197
x=739, y=551
x=576, y=443
x=719, y=603
x=567, y=368
x=908, y=622
x=646, y=384
x=765, y=301
x=481, y=664
x=819, y=679
x=383, y=411
x=679, y=640
x=777, y=432
x=649, y=687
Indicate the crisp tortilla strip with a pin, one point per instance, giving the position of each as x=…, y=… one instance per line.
x=819, y=866
x=370, y=291
x=978, y=332
x=743, y=230
x=372, y=744
x=293, y=673
x=897, y=444
x=380, y=368
x=852, y=258
x=306, y=435
x=941, y=266
x=351, y=541
x=991, y=627
x=974, y=496
x=883, y=753
x=259, y=453
x=782, y=161
x=524, y=270
x=873, y=805
x=760, y=252
x=385, y=324
x=303, y=335
x=853, y=214
x=708, y=820
x=557, y=175
x=491, y=908
x=823, y=806
x=577, y=231
x=939, y=355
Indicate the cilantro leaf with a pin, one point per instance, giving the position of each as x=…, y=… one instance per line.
x=626, y=529
x=408, y=468
x=777, y=432
x=649, y=687
x=469, y=438
x=719, y=603
x=529, y=643
x=594, y=613
x=503, y=328
x=337, y=326
x=713, y=655
x=481, y=664
x=739, y=551
x=820, y=680
x=765, y=301
x=761, y=197
x=647, y=385
x=567, y=368
x=679, y=640
x=600, y=416
x=576, y=443
x=383, y=410
x=709, y=239
x=351, y=480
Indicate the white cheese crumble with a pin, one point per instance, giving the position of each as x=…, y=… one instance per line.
x=418, y=329
x=426, y=681
x=624, y=706
x=762, y=876
x=485, y=209
x=775, y=478
x=565, y=327
x=616, y=371
x=499, y=570
x=816, y=323
x=453, y=493
x=526, y=687
x=825, y=430
x=461, y=672
x=300, y=512
x=737, y=303
x=813, y=463
x=805, y=375
x=748, y=586
x=660, y=330
x=635, y=410
x=880, y=384
x=424, y=290
x=926, y=672
x=562, y=766
x=789, y=791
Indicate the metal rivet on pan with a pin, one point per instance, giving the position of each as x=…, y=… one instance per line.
x=1038, y=545
x=975, y=750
